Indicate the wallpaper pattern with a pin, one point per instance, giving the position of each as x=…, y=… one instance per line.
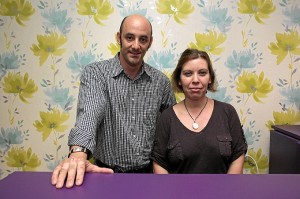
x=44, y=45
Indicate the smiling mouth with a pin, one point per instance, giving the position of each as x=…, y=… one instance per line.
x=135, y=56
x=134, y=52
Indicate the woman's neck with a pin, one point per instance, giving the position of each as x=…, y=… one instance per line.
x=196, y=103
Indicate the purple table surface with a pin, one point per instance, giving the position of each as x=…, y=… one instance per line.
x=31, y=185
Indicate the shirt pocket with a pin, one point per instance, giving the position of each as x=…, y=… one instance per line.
x=175, y=152
x=225, y=143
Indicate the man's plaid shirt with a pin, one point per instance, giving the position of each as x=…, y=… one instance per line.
x=116, y=116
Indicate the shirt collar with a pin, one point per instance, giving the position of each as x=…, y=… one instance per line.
x=118, y=69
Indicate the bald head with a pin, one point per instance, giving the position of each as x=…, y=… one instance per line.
x=134, y=17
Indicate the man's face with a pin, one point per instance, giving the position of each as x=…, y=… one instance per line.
x=135, y=40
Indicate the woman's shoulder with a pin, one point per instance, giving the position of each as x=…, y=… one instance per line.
x=168, y=111
x=219, y=105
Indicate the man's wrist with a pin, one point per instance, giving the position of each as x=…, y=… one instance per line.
x=79, y=149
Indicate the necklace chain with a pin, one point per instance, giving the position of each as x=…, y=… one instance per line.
x=195, y=125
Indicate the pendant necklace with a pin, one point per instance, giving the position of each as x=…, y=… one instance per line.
x=195, y=125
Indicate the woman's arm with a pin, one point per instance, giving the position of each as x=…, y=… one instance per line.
x=157, y=169
x=236, y=167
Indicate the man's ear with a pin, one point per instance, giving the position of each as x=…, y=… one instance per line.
x=151, y=40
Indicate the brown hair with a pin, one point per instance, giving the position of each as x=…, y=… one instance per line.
x=187, y=55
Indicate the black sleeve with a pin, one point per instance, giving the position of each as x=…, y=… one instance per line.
x=239, y=145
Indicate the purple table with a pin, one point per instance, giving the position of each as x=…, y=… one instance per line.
x=31, y=185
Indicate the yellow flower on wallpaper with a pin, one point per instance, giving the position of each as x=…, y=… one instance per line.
x=21, y=158
x=168, y=73
x=256, y=162
x=21, y=10
x=261, y=9
x=250, y=83
x=209, y=42
x=22, y=86
x=51, y=121
x=178, y=96
x=290, y=117
x=179, y=9
x=114, y=48
x=49, y=45
x=100, y=9
x=286, y=43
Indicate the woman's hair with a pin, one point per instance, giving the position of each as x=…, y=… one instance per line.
x=188, y=55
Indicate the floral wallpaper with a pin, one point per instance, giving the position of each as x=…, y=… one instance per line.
x=44, y=45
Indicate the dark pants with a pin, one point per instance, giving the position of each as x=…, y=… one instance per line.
x=117, y=169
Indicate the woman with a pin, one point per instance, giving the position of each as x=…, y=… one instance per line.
x=198, y=135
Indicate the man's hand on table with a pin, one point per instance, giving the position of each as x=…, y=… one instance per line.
x=73, y=169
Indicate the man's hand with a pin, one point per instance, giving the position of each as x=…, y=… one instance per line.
x=73, y=169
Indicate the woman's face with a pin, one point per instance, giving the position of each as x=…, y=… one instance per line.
x=194, y=78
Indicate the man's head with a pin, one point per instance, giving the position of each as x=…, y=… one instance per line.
x=121, y=26
x=135, y=38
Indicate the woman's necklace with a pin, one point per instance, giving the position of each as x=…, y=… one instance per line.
x=195, y=125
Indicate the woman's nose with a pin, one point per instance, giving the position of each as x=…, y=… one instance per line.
x=195, y=78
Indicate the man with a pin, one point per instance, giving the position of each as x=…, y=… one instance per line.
x=119, y=102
